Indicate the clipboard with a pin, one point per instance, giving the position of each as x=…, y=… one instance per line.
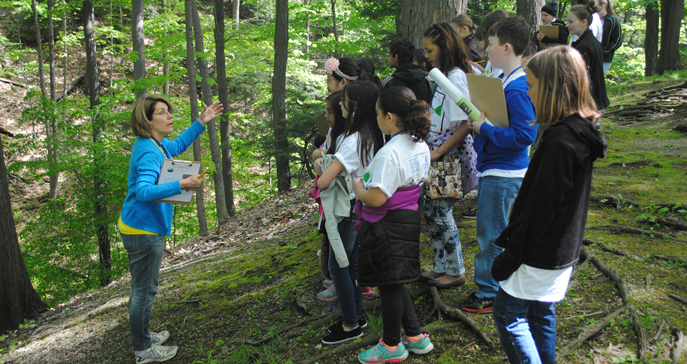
x=550, y=31
x=176, y=170
x=486, y=93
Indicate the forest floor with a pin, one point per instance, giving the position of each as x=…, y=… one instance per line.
x=246, y=292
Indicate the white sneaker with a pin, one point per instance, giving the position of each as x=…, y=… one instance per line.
x=159, y=338
x=156, y=354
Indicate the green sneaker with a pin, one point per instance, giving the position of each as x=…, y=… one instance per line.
x=422, y=346
x=381, y=354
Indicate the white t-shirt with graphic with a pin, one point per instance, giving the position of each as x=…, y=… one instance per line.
x=445, y=112
x=402, y=162
x=347, y=154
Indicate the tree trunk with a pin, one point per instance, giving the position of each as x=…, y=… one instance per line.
x=52, y=143
x=165, y=87
x=307, y=30
x=530, y=10
x=651, y=37
x=41, y=72
x=66, y=54
x=18, y=298
x=462, y=7
x=215, y=152
x=281, y=48
x=336, y=31
x=416, y=16
x=193, y=99
x=237, y=13
x=672, y=12
x=223, y=91
x=99, y=183
x=138, y=45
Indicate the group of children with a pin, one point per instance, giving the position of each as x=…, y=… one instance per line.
x=531, y=214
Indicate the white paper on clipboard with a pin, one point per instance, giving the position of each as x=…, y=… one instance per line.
x=176, y=170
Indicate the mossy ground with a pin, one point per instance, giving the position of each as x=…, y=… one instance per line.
x=215, y=305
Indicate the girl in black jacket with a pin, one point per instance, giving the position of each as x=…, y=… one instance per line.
x=543, y=239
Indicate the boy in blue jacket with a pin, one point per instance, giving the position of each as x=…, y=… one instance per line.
x=502, y=155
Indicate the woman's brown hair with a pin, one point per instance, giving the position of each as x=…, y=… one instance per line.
x=453, y=53
x=585, y=12
x=143, y=114
x=563, y=85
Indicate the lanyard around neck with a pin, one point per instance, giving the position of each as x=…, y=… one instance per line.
x=159, y=146
x=399, y=132
x=515, y=70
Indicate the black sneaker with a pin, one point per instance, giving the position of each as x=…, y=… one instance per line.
x=476, y=304
x=338, y=335
x=361, y=322
x=470, y=214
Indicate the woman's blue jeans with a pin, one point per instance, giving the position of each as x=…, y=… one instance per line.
x=530, y=341
x=145, y=258
x=494, y=196
x=346, y=279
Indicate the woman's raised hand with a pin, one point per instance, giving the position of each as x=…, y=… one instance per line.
x=210, y=112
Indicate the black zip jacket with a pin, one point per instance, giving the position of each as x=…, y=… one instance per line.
x=612, y=36
x=591, y=51
x=549, y=214
x=413, y=77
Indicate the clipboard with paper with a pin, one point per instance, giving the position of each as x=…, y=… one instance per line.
x=176, y=170
x=487, y=94
x=550, y=31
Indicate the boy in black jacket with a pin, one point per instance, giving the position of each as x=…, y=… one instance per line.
x=548, y=17
x=407, y=74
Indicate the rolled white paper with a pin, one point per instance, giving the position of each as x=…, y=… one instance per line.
x=452, y=91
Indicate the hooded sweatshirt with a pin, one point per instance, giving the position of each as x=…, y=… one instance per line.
x=413, y=77
x=548, y=217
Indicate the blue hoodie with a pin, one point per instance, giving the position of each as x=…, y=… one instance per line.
x=507, y=148
x=139, y=210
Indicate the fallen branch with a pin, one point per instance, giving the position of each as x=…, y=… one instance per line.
x=641, y=334
x=678, y=298
x=12, y=82
x=670, y=223
x=635, y=231
x=670, y=258
x=615, y=251
x=680, y=343
x=614, y=201
x=191, y=301
x=588, y=332
x=69, y=90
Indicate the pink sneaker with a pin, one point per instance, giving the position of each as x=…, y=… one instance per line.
x=368, y=292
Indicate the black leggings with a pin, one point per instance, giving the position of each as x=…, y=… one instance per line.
x=397, y=310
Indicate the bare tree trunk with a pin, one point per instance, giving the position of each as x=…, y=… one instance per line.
x=462, y=7
x=165, y=87
x=112, y=49
x=651, y=37
x=193, y=97
x=52, y=143
x=41, y=72
x=223, y=91
x=281, y=49
x=215, y=152
x=336, y=31
x=416, y=16
x=18, y=298
x=530, y=10
x=307, y=30
x=137, y=36
x=99, y=183
x=672, y=12
x=66, y=53
x=236, y=12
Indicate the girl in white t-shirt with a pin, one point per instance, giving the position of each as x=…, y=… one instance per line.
x=389, y=223
x=449, y=135
x=361, y=140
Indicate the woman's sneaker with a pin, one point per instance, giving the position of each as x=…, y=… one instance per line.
x=159, y=338
x=421, y=346
x=367, y=292
x=156, y=354
x=380, y=353
x=327, y=283
x=328, y=294
x=339, y=335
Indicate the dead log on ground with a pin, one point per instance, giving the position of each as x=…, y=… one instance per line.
x=12, y=82
x=670, y=258
x=631, y=230
x=664, y=222
x=641, y=335
x=588, y=332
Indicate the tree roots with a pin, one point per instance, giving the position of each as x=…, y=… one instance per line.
x=631, y=230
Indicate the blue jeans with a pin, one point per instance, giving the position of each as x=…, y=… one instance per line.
x=530, y=341
x=607, y=66
x=145, y=258
x=494, y=196
x=448, y=254
x=346, y=279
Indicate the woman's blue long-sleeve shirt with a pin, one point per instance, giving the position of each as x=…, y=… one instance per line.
x=139, y=210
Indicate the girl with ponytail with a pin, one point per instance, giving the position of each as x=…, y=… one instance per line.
x=389, y=222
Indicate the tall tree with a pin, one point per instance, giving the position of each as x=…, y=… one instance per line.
x=336, y=31
x=223, y=92
x=18, y=298
x=462, y=7
x=99, y=194
x=193, y=98
x=137, y=36
x=651, y=37
x=416, y=16
x=39, y=41
x=672, y=12
x=215, y=152
x=530, y=10
x=281, y=48
x=52, y=144
x=236, y=11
